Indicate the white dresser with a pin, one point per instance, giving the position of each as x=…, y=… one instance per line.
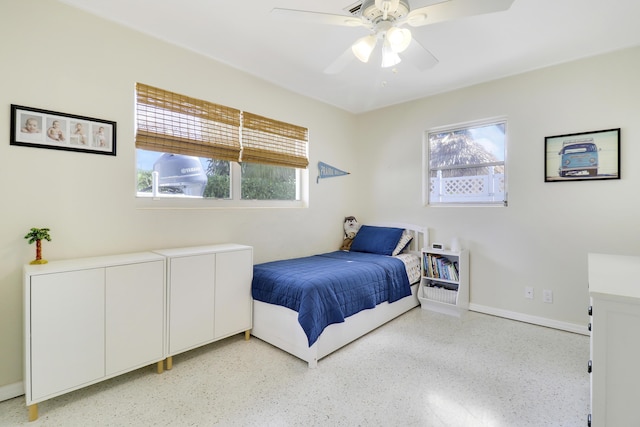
x=90, y=319
x=614, y=288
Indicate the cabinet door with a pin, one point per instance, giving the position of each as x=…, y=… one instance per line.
x=67, y=331
x=233, y=312
x=615, y=380
x=134, y=315
x=191, y=301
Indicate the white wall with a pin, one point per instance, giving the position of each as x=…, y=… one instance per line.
x=543, y=237
x=58, y=58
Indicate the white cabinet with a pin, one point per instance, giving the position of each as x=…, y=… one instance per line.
x=445, y=281
x=614, y=288
x=209, y=294
x=233, y=303
x=66, y=328
x=191, y=298
x=90, y=319
x=134, y=312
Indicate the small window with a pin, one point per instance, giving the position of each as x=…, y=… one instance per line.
x=466, y=164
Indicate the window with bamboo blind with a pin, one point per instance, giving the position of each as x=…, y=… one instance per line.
x=268, y=153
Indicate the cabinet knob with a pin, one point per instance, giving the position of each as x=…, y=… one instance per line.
x=589, y=367
x=589, y=421
x=590, y=310
x=589, y=326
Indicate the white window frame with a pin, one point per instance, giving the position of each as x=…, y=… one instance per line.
x=159, y=116
x=471, y=201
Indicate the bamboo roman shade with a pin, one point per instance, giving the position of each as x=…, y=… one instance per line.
x=272, y=142
x=174, y=123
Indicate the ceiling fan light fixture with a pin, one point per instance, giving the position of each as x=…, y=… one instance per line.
x=363, y=47
x=398, y=38
x=389, y=57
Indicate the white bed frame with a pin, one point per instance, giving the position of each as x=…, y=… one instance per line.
x=279, y=325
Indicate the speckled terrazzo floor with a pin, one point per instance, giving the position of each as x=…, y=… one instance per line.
x=422, y=369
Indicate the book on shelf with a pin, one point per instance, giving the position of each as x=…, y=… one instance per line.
x=440, y=267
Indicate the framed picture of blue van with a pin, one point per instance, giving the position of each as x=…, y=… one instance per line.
x=582, y=156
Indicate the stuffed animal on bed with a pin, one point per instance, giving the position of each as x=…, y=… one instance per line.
x=351, y=227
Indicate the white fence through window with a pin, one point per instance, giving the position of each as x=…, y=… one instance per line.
x=479, y=188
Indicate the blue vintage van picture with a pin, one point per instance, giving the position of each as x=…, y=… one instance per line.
x=577, y=157
x=582, y=156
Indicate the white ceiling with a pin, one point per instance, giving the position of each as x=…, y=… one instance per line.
x=244, y=34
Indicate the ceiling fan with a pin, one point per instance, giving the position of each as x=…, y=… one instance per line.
x=385, y=20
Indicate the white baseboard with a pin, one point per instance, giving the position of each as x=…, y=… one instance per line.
x=11, y=390
x=542, y=321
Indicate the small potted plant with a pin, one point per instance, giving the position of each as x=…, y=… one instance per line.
x=37, y=235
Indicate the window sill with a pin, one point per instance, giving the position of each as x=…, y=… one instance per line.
x=468, y=205
x=198, y=203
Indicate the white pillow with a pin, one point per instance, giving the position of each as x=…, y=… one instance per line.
x=404, y=241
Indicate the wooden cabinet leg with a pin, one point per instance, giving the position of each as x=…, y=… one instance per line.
x=169, y=363
x=160, y=365
x=247, y=334
x=33, y=412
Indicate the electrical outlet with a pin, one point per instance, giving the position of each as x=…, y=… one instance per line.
x=528, y=292
x=547, y=296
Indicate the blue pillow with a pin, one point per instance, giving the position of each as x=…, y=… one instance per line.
x=376, y=240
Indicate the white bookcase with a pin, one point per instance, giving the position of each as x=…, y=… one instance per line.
x=445, y=281
x=90, y=319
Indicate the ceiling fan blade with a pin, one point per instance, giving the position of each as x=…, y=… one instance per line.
x=419, y=56
x=320, y=18
x=453, y=9
x=340, y=63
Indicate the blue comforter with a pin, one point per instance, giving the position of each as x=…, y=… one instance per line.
x=327, y=288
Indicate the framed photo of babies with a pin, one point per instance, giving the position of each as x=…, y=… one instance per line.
x=32, y=127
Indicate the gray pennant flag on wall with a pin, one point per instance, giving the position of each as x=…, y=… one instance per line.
x=328, y=171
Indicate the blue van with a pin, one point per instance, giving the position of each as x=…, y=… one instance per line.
x=578, y=156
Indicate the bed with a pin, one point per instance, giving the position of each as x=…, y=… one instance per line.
x=344, y=294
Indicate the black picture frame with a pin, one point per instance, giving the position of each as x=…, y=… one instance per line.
x=34, y=127
x=582, y=156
